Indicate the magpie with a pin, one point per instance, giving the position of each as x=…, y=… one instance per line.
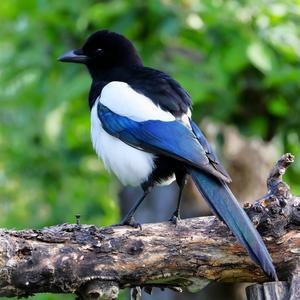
x=141, y=128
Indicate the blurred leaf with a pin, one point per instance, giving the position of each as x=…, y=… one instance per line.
x=278, y=106
x=260, y=56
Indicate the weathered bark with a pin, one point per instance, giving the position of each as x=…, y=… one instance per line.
x=268, y=291
x=95, y=262
x=275, y=290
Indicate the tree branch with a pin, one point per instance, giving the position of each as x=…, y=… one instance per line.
x=96, y=262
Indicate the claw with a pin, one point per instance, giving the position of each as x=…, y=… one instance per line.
x=130, y=222
x=175, y=218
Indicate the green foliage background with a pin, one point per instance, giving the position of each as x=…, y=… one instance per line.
x=238, y=59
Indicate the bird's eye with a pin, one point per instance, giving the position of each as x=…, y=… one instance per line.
x=98, y=51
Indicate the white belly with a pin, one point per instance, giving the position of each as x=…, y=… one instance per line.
x=130, y=165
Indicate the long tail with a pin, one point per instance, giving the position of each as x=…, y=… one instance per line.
x=227, y=208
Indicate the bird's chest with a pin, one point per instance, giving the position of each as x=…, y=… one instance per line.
x=130, y=165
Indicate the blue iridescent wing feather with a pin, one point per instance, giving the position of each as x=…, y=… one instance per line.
x=173, y=139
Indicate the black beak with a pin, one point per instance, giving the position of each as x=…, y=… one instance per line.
x=74, y=56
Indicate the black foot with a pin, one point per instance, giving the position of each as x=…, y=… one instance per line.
x=175, y=218
x=130, y=222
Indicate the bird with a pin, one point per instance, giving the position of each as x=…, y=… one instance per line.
x=142, y=130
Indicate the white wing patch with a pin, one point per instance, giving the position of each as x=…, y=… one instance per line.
x=120, y=98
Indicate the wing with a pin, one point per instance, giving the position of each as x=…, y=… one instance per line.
x=163, y=90
x=172, y=139
x=209, y=151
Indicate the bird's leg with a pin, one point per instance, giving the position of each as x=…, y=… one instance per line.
x=129, y=219
x=176, y=215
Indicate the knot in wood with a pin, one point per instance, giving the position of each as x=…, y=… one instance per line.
x=99, y=290
x=136, y=247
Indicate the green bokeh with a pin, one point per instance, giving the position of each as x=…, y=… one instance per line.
x=238, y=59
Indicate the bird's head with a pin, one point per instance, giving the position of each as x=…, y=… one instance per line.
x=104, y=50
